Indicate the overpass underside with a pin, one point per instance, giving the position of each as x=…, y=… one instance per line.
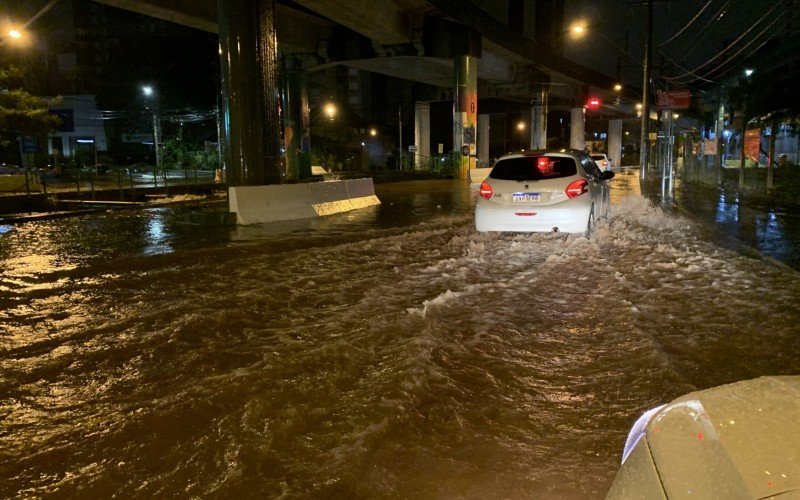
x=506, y=51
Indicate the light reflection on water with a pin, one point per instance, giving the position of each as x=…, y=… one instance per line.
x=727, y=211
x=392, y=351
x=750, y=229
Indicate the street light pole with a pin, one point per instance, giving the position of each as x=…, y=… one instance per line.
x=644, y=145
x=148, y=92
x=400, y=127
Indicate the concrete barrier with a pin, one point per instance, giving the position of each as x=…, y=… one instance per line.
x=259, y=204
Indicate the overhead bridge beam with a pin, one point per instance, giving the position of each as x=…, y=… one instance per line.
x=198, y=14
x=380, y=20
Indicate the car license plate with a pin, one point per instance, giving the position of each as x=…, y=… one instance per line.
x=525, y=197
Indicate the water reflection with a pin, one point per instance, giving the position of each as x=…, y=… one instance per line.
x=727, y=211
x=156, y=237
x=746, y=228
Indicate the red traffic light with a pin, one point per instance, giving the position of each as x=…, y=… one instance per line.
x=593, y=103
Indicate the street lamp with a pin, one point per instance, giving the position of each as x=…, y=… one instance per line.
x=16, y=36
x=148, y=92
x=330, y=111
x=373, y=132
x=578, y=29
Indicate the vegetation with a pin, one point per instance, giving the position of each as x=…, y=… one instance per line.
x=21, y=114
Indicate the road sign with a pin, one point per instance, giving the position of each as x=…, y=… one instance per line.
x=469, y=135
x=674, y=99
x=29, y=144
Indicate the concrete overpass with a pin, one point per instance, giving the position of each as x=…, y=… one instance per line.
x=506, y=49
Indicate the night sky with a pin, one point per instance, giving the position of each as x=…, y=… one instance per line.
x=182, y=62
x=624, y=22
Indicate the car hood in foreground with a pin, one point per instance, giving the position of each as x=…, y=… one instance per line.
x=734, y=441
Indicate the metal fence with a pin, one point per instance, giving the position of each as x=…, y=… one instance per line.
x=17, y=180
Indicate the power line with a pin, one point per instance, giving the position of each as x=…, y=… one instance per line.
x=716, y=17
x=677, y=65
x=729, y=47
x=739, y=51
x=676, y=35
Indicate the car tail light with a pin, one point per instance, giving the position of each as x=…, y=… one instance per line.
x=486, y=190
x=577, y=188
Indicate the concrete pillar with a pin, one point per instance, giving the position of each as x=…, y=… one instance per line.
x=465, y=112
x=422, y=132
x=577, y=128
x=296, y=119
x=719, y=130
x=539, y=121
x=250, y=91
x=484, y=122
x=615, y=142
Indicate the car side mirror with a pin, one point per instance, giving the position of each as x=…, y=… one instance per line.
x=607, y=175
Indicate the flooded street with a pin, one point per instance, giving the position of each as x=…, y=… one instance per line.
x=389, y=352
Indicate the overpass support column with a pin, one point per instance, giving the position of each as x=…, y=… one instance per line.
x=539, y=121
x=615, y=142
x=577, y=128
x=465, y=112
x=483, y=139
x=422, y=132
x=296, y=120
x=251, y=126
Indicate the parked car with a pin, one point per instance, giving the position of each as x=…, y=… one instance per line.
x=602, y=161
x=7, y=168
x=543, y=191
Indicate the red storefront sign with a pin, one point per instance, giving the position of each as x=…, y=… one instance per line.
x=752, y=143
x=674, y=99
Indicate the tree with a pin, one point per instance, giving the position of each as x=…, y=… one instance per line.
x=21, y=114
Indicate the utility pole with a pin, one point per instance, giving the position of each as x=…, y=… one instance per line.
x=719, y=130
x=400, y=145
x=157, y=134
x=644, y=146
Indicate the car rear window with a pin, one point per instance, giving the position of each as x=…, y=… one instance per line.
x=534, y=168
x=597, y=157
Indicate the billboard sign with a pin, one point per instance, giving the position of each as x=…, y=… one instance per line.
x=674, y=99
x=137, y=138
x=752, y=143
x=709, y=147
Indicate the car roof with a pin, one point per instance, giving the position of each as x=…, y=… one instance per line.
x=539, y=152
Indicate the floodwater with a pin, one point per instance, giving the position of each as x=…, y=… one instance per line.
x=390, y=352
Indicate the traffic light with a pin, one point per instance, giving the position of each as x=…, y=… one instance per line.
x=593, y=103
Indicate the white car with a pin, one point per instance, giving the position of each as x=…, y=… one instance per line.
x=602, y=160
x=543, y=191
